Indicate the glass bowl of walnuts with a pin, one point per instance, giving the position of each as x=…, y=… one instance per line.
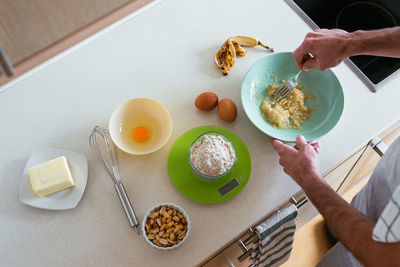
x=166, y=226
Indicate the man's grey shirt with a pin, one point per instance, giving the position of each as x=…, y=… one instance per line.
x=371, y=200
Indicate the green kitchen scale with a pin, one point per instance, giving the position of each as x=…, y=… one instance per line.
x=196, y=189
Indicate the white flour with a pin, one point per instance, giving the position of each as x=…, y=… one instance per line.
x=212, y=155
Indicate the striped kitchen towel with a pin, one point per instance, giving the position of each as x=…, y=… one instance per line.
x=276, y=237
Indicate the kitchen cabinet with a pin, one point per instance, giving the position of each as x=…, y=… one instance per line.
x=229, y=257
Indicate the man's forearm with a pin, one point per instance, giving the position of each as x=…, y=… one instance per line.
x=384, y=42
x=344, y=220
x=352, y=228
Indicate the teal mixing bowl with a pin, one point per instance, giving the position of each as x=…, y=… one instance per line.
x=328, y=103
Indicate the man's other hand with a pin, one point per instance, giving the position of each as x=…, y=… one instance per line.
x=301, y=162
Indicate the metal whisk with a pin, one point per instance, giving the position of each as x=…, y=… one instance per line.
x=110, y=163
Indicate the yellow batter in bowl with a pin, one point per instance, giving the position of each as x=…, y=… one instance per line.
x=290, y=112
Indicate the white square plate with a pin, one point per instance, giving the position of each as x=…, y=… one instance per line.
x=64, y=199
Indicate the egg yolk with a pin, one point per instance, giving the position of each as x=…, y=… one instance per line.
x=140, y=134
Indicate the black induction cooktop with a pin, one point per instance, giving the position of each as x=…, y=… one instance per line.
x=351, y=16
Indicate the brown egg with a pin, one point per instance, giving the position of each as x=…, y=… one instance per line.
x=227, y=110
x=206, y=101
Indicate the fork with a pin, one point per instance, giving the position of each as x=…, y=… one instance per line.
x=285, y=90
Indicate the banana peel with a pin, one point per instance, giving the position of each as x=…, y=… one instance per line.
x=225, y=59
x=238, y=49
x=250, y=42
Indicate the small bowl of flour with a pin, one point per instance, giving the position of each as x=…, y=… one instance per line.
x=212, y=155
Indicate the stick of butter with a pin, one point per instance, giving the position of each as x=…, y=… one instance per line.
x=51, y=176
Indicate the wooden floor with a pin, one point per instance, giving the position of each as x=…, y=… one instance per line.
x=366, y=164
x=33, y=31
x=29, y=26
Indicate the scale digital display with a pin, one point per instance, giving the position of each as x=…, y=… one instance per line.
x=228, y=187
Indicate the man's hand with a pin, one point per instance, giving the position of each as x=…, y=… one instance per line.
x=300, y=162
x=322, y=49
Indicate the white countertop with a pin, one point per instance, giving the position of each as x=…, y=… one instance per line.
x=165, y=53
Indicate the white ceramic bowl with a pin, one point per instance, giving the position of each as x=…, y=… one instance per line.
x=140, y=112
x=182, y=211
x=202, y=175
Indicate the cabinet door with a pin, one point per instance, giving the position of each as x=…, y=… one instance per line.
x=229, y=257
